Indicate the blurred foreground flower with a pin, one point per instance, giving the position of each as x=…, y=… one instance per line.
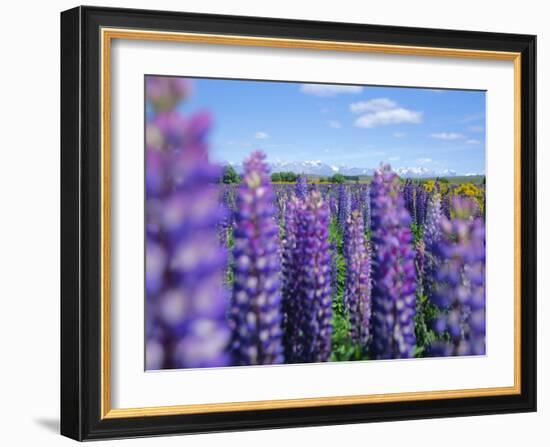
x=186, y=300
x=165, y=92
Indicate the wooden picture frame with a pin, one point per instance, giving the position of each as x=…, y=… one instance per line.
x=86, y=37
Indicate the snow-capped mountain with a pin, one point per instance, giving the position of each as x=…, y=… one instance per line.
x=314, y=167
x=317, y=167
x=422, y=171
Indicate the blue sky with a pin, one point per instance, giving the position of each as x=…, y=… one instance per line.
x=355, y=126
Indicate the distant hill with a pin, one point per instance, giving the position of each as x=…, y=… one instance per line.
x=475, y=179
x=317, y=168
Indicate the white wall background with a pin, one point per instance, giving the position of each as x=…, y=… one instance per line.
x=29, y=219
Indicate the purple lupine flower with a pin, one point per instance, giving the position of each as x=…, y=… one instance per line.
x=344, y=206
x=355, y=202
x=184, y=263
x=365, y=201
x=165, y=92
x=474, y=207
x=333, y=205
x=320, y=273
x=459, y=288
x=409, y=192
x=255, y=315
x=432, y=236
x=301, y=187
x=357, y=298
x=308, y=295
x=446, y=205
x=393, y=273
x=421, y=202
x=432, y=228
x=291, y=308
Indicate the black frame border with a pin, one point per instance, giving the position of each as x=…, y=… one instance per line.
x=81, y=223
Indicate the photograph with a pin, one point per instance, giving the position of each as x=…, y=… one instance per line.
x=298, y=222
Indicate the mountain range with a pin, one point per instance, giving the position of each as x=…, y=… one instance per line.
x=319, y=168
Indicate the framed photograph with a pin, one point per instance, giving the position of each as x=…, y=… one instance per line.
x=276, y=223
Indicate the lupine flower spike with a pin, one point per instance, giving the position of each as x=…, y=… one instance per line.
x=394, y=282
x=344, y=206
x=185, y=264
x=432, y=236
x=358, y=283
x=301, y=187
x=256, y=316
x=459, y=288
x=307, y=290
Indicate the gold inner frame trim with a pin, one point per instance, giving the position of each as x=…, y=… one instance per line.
x=107, y=35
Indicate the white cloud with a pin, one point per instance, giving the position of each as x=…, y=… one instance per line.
x=327, y=90
x=385, y=117
x=261, y=135
x=383, y=111
x=334, y=124
x=448, y=136
x=424, y=161
x=396, y=158
x=473, y=142
x=373, y=105
x=400, y=134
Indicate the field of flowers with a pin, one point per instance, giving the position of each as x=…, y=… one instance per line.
x=258, y=272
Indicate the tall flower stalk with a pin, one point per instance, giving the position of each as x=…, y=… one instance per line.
x=307, y=291
x=365, y=201
x=421, y=202
x=394, y=282
x=256, y=316
x=301, y=187
x=290, y=304
x=446, y=205
x=409, y=193
x=358, y=282
x=344, y=206
x=432, y=237
x=459, y=288
x=185, y=264
x=333, y=206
